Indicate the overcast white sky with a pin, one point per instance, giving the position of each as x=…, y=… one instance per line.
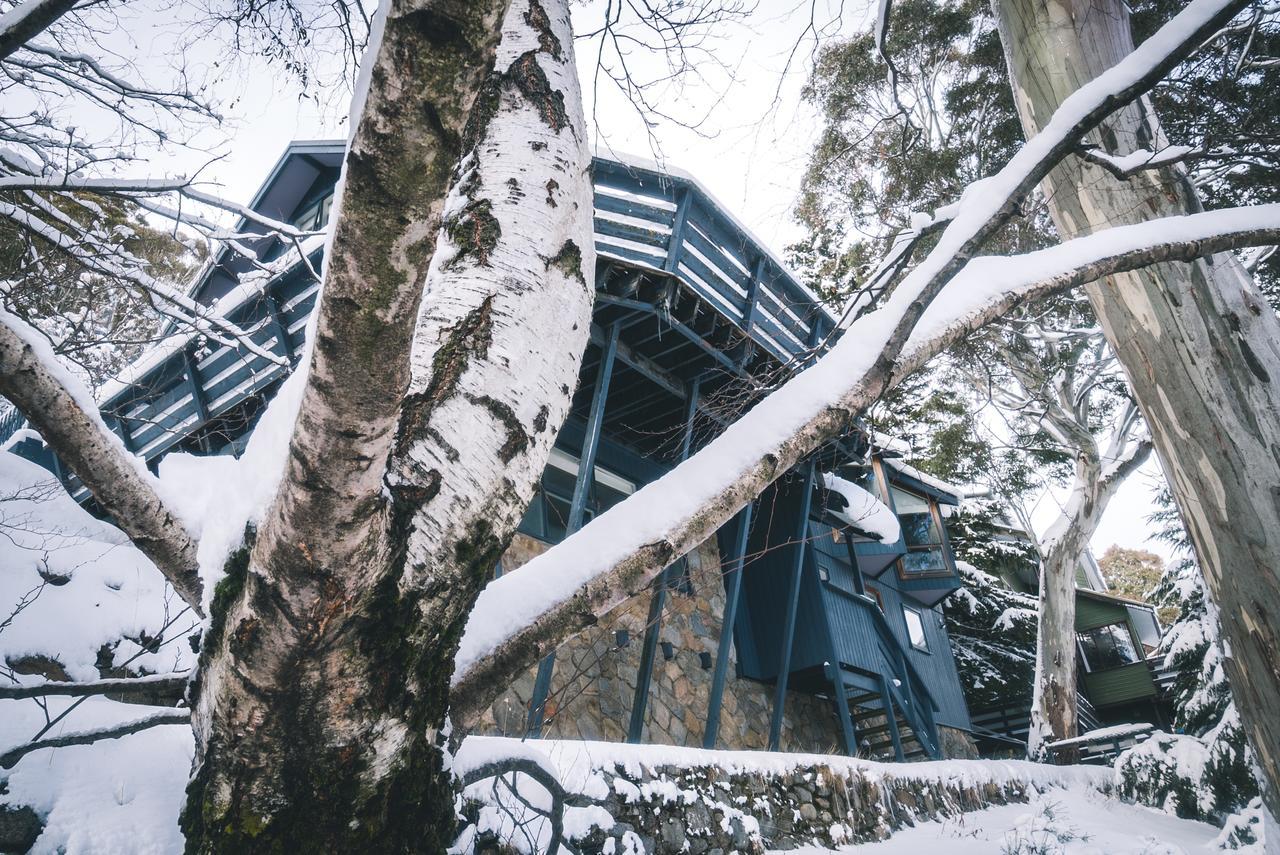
x=749, y=150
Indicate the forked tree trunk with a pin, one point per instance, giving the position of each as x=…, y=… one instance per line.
x=1053, y=698
x=419, y=440
x=1200, y=346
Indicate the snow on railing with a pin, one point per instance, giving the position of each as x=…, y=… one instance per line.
x=644, y=216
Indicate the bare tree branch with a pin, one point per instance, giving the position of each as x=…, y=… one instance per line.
x=27, y=20
x=69, y=422
x=121, y=686
x=86, y=737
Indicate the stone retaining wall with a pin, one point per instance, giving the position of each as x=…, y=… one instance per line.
x=654, y=799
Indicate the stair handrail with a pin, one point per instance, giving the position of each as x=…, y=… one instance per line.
x=917, y=702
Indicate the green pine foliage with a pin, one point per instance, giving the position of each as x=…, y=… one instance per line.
x=1204, y=771
x=991, y=625
x=96, y=323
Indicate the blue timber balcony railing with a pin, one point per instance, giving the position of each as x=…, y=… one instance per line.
x=659, y=222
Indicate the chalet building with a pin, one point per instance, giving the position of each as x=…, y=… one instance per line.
x=1120, y=678
x=810, y=622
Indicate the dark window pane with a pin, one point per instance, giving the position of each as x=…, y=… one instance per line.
x=918, y=526
x=1107, y=647
x=531, y=524
x=924, y=561
x=557, y=518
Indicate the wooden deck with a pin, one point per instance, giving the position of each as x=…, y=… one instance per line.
x=643, y=218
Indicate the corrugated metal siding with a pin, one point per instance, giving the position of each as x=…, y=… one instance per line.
x=1120, y=685
x=937, y=667
x=765, y=589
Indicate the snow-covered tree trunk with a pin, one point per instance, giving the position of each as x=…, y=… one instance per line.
x=1200, y=346
x=64, y=413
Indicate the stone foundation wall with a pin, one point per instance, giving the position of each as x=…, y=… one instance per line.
x=653, y=799
x=594, y=684
x=957, y=743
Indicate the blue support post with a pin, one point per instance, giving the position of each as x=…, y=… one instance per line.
x=753, y=295
x=843, y=713
x=891, y=718
x=279, y=329
x=859, y=584
x=117, y=424
x=653, y=626
x=817, y=325
x=193, y=386
x=734, y=589
x=577, y=508
x=675, y=244
x=789, y=620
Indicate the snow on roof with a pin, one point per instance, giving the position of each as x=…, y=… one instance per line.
x=1112, y=598
x=862, y=510
x=924, y=478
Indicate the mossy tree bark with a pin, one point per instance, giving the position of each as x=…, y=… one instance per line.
x=1200, y=346
x=324, y=682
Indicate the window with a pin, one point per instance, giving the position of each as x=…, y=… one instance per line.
x=1107, y=646
x=921, y=532
x=315, y=216
x=915, y=629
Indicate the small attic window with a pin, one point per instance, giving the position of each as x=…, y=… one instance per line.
x=315, y=216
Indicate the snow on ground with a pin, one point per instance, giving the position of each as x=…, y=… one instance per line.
x=576, y=762
x=115, y=796
x=96, y=588
x=1072, y=821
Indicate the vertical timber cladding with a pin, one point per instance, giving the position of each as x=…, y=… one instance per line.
x=593, y=688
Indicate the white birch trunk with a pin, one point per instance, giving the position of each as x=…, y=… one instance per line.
x=299, y=706
x=399, y=499
x=506, y=314
x=1200, y=346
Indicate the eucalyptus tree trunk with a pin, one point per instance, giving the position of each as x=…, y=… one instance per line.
x=1200, y=346
x=1053, y=703
x=1065, y=396
x=440, y=372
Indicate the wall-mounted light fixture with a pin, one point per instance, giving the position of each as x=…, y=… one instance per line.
x=621, y=638
x=668, y=651
x=705, y=658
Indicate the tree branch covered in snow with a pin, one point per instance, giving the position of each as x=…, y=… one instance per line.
x=67, y=417
x=122, y=686
x=28, y=19
x=11, y=757
x=523, y=614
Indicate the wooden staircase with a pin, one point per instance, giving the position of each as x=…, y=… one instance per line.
x=882, y=739
x=887, y=714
